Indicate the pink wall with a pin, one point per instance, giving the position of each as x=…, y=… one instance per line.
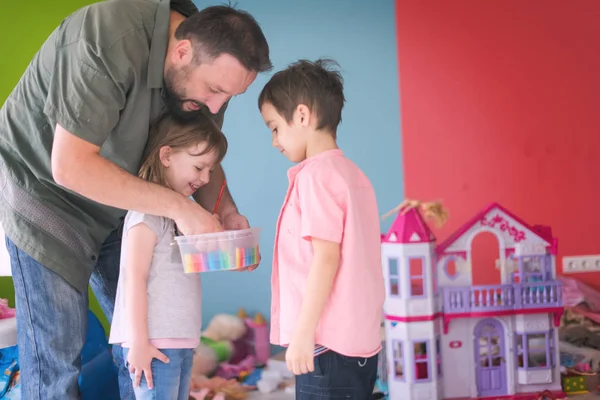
x=500, y=101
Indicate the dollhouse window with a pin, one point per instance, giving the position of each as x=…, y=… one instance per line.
x=535, y=350
x=416, y=270
x=532, y=269
x=438, y=356
x=421, y=359
x=450, y=268
x=394, y=277
x=398, y=360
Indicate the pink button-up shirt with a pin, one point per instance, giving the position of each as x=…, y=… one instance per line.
x=331, y=199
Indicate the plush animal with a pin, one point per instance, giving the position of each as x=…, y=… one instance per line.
x=205, y=362
x=222, y=331
x=216, y=346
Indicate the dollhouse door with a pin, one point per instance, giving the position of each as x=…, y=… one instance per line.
x=490, y=361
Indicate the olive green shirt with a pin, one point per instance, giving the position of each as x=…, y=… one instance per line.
x=99, y=75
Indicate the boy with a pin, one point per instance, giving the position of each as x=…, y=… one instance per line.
x=327, y=281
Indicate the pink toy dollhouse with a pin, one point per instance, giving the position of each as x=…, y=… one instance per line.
x=449, y=339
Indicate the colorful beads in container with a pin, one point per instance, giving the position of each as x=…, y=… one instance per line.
x=220, y=260
x=221, y=251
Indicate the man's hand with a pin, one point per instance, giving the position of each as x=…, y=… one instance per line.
x=195, y=220
x=234, y=221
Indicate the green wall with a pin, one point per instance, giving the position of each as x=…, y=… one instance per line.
x=24, y=25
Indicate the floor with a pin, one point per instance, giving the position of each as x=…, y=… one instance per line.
x=285, y=396
x=270, y=396
x=279, y=365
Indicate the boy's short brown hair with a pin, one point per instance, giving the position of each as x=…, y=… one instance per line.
x=313, y=84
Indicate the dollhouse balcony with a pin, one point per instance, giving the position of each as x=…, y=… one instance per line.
x=502, y=299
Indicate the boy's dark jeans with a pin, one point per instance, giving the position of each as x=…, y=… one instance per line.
x=338, y=377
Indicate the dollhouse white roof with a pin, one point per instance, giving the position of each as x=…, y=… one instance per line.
x=409, y=228
x=497, y=218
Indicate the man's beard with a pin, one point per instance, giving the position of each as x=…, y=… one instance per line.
x=174, y=102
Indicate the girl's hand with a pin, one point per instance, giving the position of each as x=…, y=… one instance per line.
x=300, y=355
x=139, y=360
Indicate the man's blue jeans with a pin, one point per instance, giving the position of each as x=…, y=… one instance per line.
x=52, y=323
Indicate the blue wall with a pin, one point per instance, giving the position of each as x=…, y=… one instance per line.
x=360, y=35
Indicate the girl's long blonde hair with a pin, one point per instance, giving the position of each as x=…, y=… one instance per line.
x=167, y=131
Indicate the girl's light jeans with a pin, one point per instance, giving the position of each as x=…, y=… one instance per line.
x=171, y=381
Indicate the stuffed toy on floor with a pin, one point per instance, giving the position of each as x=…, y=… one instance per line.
x=216, y=346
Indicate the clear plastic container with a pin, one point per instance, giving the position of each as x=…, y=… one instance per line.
x=222, y=251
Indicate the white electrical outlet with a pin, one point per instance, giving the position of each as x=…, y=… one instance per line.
x=576, y=264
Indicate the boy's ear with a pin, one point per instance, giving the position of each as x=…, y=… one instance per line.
x=165, y=155
x=302, y=116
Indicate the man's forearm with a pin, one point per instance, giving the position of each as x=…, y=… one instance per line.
x=207, y=195
x=106, y=183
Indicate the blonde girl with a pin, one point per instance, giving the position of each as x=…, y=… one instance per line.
x=157, y=316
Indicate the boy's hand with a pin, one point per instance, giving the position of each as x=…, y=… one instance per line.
x=139, y=360
x=300, y=355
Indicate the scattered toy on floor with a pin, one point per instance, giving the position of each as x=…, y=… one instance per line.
x=9, y=362
x=548, y=395
x=269, y=382
x=250, y=350
x=216, y=344
x=275, y=377
x=5, y=310
x=231, y=349
x=218, y=389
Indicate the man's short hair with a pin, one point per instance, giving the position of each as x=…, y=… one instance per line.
x=314, y=84
x=223, y=29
